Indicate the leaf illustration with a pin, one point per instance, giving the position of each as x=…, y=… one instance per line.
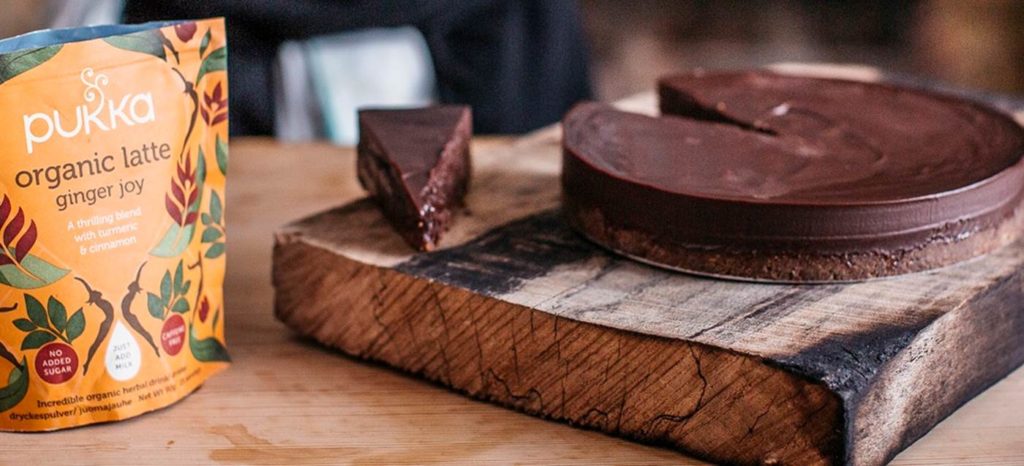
x=43, y=273
x=36, y=311
x=156, y=306
x=25, y=325
x=36, y=339
x=216, y=61
x=172, y=209
x=179, y=195
x=198, y=178
x=182, y=175
x=150, y=42
x=76, y=325
x=204, y=309
x=215, y=251
x=175, y=241
x=179, y=277
x=17, y=387
x=5, y=210
x=58, y=314
x=211, y=235
x=15, y=63
x=181, y=306
x=214, y=232
x=207, y=349
x=200, y=174
x=165, y=288
x=222, y=155
x=192, y=197
x=14, y=228
x=205, y=43
x=216, y=207
x=220, y=118
x=26, y=242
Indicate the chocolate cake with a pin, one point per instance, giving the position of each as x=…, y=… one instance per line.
x=763, y=176
x=415, y=164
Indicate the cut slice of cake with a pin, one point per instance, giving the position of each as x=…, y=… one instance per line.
x=415, y=164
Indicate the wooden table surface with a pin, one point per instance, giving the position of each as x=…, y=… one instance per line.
x=287, y=401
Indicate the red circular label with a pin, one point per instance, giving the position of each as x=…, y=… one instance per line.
x=56, y=363
x=172, y=337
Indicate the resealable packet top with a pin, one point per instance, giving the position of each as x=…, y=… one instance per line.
x=113, y=156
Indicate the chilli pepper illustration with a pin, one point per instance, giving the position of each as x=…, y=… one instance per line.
x=96, y=299
x=126, y=310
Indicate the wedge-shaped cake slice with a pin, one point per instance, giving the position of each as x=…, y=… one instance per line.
x=415, y=164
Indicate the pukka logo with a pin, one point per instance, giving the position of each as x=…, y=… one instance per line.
x=131, y=110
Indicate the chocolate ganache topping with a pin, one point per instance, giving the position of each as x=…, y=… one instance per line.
x=757, y=161
x=416, y=165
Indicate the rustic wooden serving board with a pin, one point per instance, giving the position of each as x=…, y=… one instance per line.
x=518, y=310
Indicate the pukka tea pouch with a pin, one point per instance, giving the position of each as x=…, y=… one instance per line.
x=113, y=161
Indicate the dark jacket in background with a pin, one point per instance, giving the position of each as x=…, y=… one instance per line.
x=519, y=63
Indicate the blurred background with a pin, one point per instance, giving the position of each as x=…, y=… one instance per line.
x=625, y=47
x=971, y=43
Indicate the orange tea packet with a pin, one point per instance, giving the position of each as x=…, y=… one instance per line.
x=113, y=160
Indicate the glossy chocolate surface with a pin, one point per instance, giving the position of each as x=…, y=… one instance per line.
x=756, y=159
x=415, y=164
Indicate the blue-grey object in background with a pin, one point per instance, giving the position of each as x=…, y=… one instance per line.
x=75, y=13
x=370, y=68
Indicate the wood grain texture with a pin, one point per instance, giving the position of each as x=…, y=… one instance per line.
x=528, y=315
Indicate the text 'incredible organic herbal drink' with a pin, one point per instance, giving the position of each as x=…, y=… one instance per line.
x=113, y=158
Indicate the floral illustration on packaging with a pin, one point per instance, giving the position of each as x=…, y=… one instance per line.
x=172, y=300
x=169, y=301
x=19, y=266
x=186, y=188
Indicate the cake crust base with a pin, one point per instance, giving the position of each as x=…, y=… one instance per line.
x=786, y=266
